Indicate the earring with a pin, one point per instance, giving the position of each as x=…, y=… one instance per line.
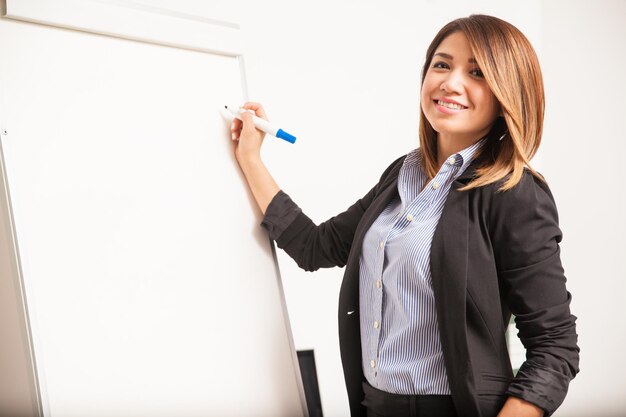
x=503, y=135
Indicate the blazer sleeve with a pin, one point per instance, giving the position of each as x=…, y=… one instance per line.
x=525, y=237
x=319, y=246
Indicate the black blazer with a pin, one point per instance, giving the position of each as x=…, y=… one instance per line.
x=493, y=254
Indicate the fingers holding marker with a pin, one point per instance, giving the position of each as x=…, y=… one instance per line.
x=257, y=108
x=248, y=123
x=235, y=128
x=244, y=121
x=253, y=120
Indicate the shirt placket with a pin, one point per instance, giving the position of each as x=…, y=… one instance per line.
x=377, y=308
x=406, y=216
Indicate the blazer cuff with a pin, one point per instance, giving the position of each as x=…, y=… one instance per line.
x=280, y=213
x=544, y=387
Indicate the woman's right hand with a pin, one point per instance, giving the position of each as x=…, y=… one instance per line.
x=249, y=139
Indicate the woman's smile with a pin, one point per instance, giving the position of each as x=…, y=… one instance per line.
x=463, y=107
x=448, y=106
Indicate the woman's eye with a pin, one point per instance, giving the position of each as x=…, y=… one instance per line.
x=476, y=72
x=440, y=65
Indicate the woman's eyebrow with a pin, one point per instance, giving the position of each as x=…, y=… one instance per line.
x=444, y=55
x=451, y=58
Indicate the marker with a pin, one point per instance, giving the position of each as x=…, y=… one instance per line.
x=230, y=113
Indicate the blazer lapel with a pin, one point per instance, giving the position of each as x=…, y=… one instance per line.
x=377, y=207
x=350, y=284
x=448, y=262
x=349, y=329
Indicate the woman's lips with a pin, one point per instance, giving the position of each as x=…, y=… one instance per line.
x=448, y=107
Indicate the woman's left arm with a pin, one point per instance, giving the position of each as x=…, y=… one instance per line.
x=525, y=237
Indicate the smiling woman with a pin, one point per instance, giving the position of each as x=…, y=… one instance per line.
x=456, y=98
x=455, y=237
x=495, y=65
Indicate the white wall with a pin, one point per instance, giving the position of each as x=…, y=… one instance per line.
x=584, y=62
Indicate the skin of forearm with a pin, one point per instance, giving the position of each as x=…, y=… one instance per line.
x=516, y=407
x=260, y=181
x=248, y=140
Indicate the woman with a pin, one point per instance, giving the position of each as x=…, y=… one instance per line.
x=455, y=237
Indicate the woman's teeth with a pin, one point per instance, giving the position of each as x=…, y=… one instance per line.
x=450, y=105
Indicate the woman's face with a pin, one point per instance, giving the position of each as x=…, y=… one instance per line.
x=455, y=97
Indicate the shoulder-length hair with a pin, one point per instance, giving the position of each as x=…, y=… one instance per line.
x=511, y=69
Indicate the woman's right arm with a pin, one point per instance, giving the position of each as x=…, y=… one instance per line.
x=310, y=245
x=248, y=153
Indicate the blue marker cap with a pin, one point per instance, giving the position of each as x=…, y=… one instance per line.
x=285, y=136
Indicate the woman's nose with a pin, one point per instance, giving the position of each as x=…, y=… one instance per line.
x=453, y=83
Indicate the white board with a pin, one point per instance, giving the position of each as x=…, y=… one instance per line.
x=147, y=286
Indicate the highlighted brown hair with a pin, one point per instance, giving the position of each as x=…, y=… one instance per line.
x=511, y=69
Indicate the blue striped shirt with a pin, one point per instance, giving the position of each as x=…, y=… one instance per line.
x=399, y=335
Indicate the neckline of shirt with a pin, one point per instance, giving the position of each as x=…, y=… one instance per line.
x=456, y=163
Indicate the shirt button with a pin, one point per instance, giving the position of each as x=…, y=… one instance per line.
x=373, y=363
x=451, y=160
x=435, y=185
x=376, y=325
x=409, y=217
x=379, y=284
x=382, y=245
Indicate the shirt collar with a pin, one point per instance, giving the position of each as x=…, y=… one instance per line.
x=461, y=159
x=465, y=157
x=412, y=176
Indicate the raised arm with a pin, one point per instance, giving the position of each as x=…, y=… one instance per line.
x=248, y=153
